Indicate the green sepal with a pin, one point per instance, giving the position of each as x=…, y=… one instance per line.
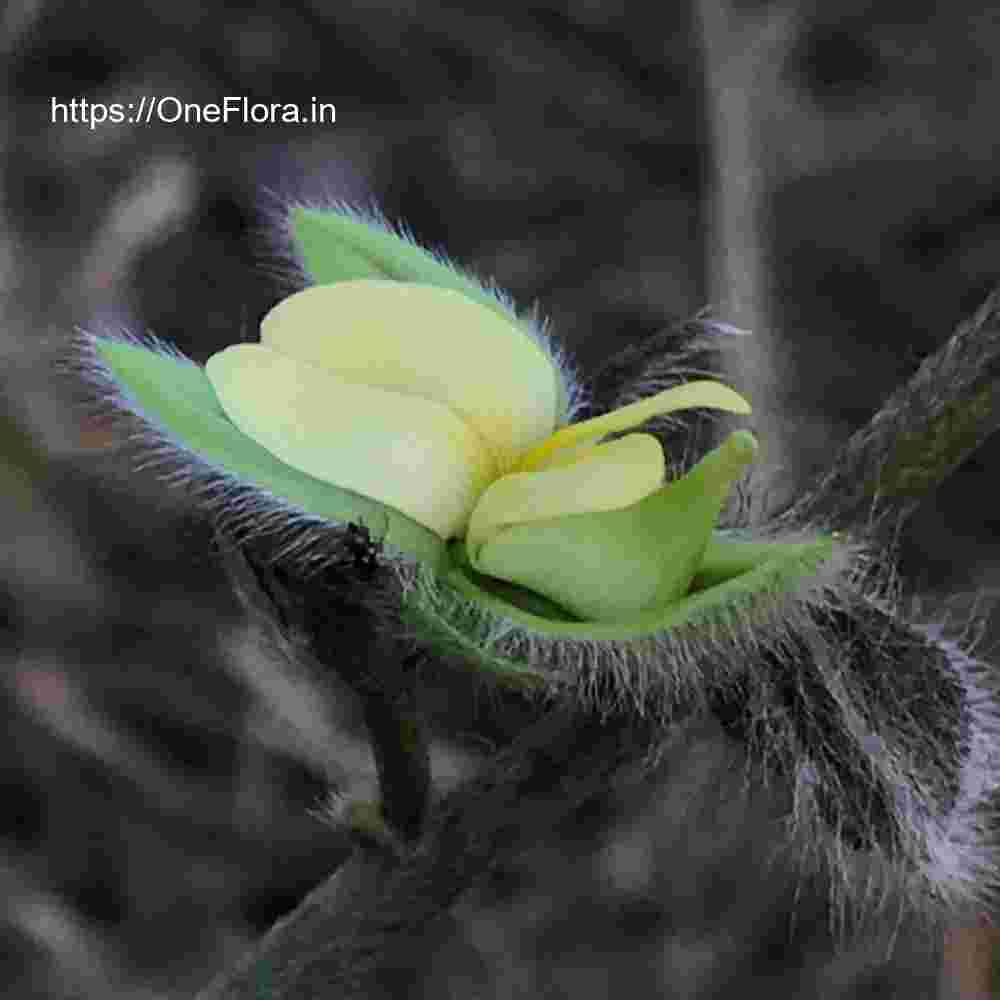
x=729, y=554
x=177, y=396
x=459, y=632
x=338, y=246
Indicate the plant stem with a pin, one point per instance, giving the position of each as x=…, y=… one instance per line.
x=925, y=430
x=335, y=620
x=347, y=937
x=402, y=755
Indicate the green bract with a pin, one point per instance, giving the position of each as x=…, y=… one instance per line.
x=401, y=395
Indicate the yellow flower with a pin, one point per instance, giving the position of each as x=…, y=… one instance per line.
x=424, y=400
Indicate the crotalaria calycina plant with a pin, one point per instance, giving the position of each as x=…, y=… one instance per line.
x=565, y=545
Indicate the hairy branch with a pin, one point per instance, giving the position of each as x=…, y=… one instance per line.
x=324, y=620
x=925, y=430
x=350, y=935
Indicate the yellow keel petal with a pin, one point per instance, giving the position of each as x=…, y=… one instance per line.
x=413, y=454
x=701, y=394
x=614, y=475
x=425, y=341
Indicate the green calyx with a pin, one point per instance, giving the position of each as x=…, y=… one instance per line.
x=706, y=577
x=610, y=575
x=510, y=634
x=178, y=398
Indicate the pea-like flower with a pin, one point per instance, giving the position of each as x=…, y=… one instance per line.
x=399, y=394
x=433, y=404
x=559, y=556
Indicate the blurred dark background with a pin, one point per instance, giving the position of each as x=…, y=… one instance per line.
x=824, y=173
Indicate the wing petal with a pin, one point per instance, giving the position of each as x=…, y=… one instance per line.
x=413, y=454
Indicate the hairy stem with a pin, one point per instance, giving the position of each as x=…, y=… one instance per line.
x=312, y=616
x=925, y=430
x=402, y=755
x=353, y=935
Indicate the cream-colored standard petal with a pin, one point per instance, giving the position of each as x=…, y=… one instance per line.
x=614, y=475
x=425, y=341
x=413, y=454
x=704, y=394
